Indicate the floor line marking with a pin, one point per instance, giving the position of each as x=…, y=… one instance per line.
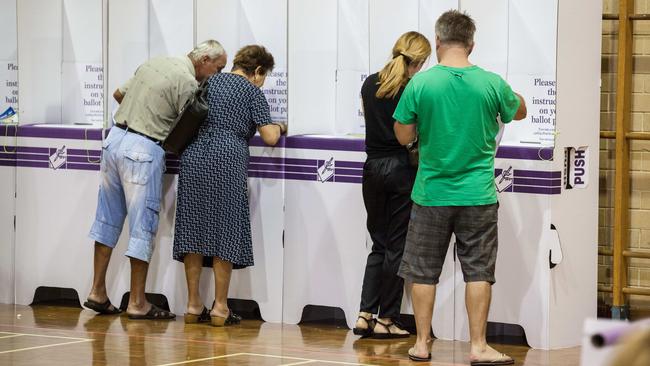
x=308, y=359
x=11, y=336
x=45, y=346
x=201, y=359
x=298, y=363
x=49, y=336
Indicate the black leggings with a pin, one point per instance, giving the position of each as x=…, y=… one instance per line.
x=387, y=185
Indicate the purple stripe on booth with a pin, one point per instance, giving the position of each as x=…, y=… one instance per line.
x=4, y=162
x=295, y=161
x=7, y=130
x=325, y=143
x=525, y=153
x=78, y=166
x=7, y=155
x=537, y=190
x=537, y=174
x=538, y=182
x=350, y=164
x=352, y=172
x=33, y=164
x=266, y=167
x=33, y=157
x=84, y=152
x=300, y=169
x=345, y=179
x=83, y=159
x=33, y=150
x=90, y=133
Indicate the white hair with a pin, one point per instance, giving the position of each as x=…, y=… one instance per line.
x=210, y=48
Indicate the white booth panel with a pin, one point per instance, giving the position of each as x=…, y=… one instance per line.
x=128, y=41
x=312, y=66
x=8, y=57
x=387, y=22
x=39, y=34
x=353, y=65
x=8, y=37
x=264, y=22
x=82, y=31
x=82, y=77
x=430, y=10
x=532, y=37
x=575, y=213
x=171, y=27
x=8, y=204
x=491, y=38
x=219, y=20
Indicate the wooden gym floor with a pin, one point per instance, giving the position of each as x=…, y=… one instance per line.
x=48, y=335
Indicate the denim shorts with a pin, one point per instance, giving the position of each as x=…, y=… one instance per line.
x=428, y=237
x=131, y=183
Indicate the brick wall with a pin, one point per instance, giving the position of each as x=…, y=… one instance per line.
x=639, y=224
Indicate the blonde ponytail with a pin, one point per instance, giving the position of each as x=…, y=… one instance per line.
x=411, y=47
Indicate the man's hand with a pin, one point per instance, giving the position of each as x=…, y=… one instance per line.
x=521, y=112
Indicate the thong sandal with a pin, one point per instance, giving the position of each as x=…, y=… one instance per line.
x=415, y=358
x=204, y=317
x=220, y=321
x=389, y=334
x=368, y=330
x=105, y=308
x=498, y=362
x=155, y=313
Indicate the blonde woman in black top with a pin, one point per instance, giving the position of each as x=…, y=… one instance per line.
x=387, y=182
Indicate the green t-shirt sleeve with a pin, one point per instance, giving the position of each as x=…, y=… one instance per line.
x=508, y=102
x=405, y=113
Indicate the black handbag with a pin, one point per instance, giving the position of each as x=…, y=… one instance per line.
x=188, y=122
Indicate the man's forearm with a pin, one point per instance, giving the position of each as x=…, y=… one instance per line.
x=405, y=133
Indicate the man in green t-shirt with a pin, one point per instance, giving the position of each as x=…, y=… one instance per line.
x=453, y=109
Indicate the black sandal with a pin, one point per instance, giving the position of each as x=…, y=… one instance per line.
x=102, y=308
x=389, y=334
x=415, y=358
x=368, y=330
x=231, y=319
x=155, y=313
x=204, y=317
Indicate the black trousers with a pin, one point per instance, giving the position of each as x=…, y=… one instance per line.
x=387, y=185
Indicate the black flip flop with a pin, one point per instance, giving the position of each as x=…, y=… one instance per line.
x=415, y=358
x=102, y=308
x=389, y=334
x=155, y=313
x=367, y=331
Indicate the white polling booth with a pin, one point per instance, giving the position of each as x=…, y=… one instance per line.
x=308, y=218
x=8, y=103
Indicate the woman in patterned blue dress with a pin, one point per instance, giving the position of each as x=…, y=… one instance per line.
x=212, y=214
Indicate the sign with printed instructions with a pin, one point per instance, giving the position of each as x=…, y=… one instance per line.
x=8, y=86
x=83, y=90
x=275, y=90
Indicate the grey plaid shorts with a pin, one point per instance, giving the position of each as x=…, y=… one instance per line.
x=428, y=238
